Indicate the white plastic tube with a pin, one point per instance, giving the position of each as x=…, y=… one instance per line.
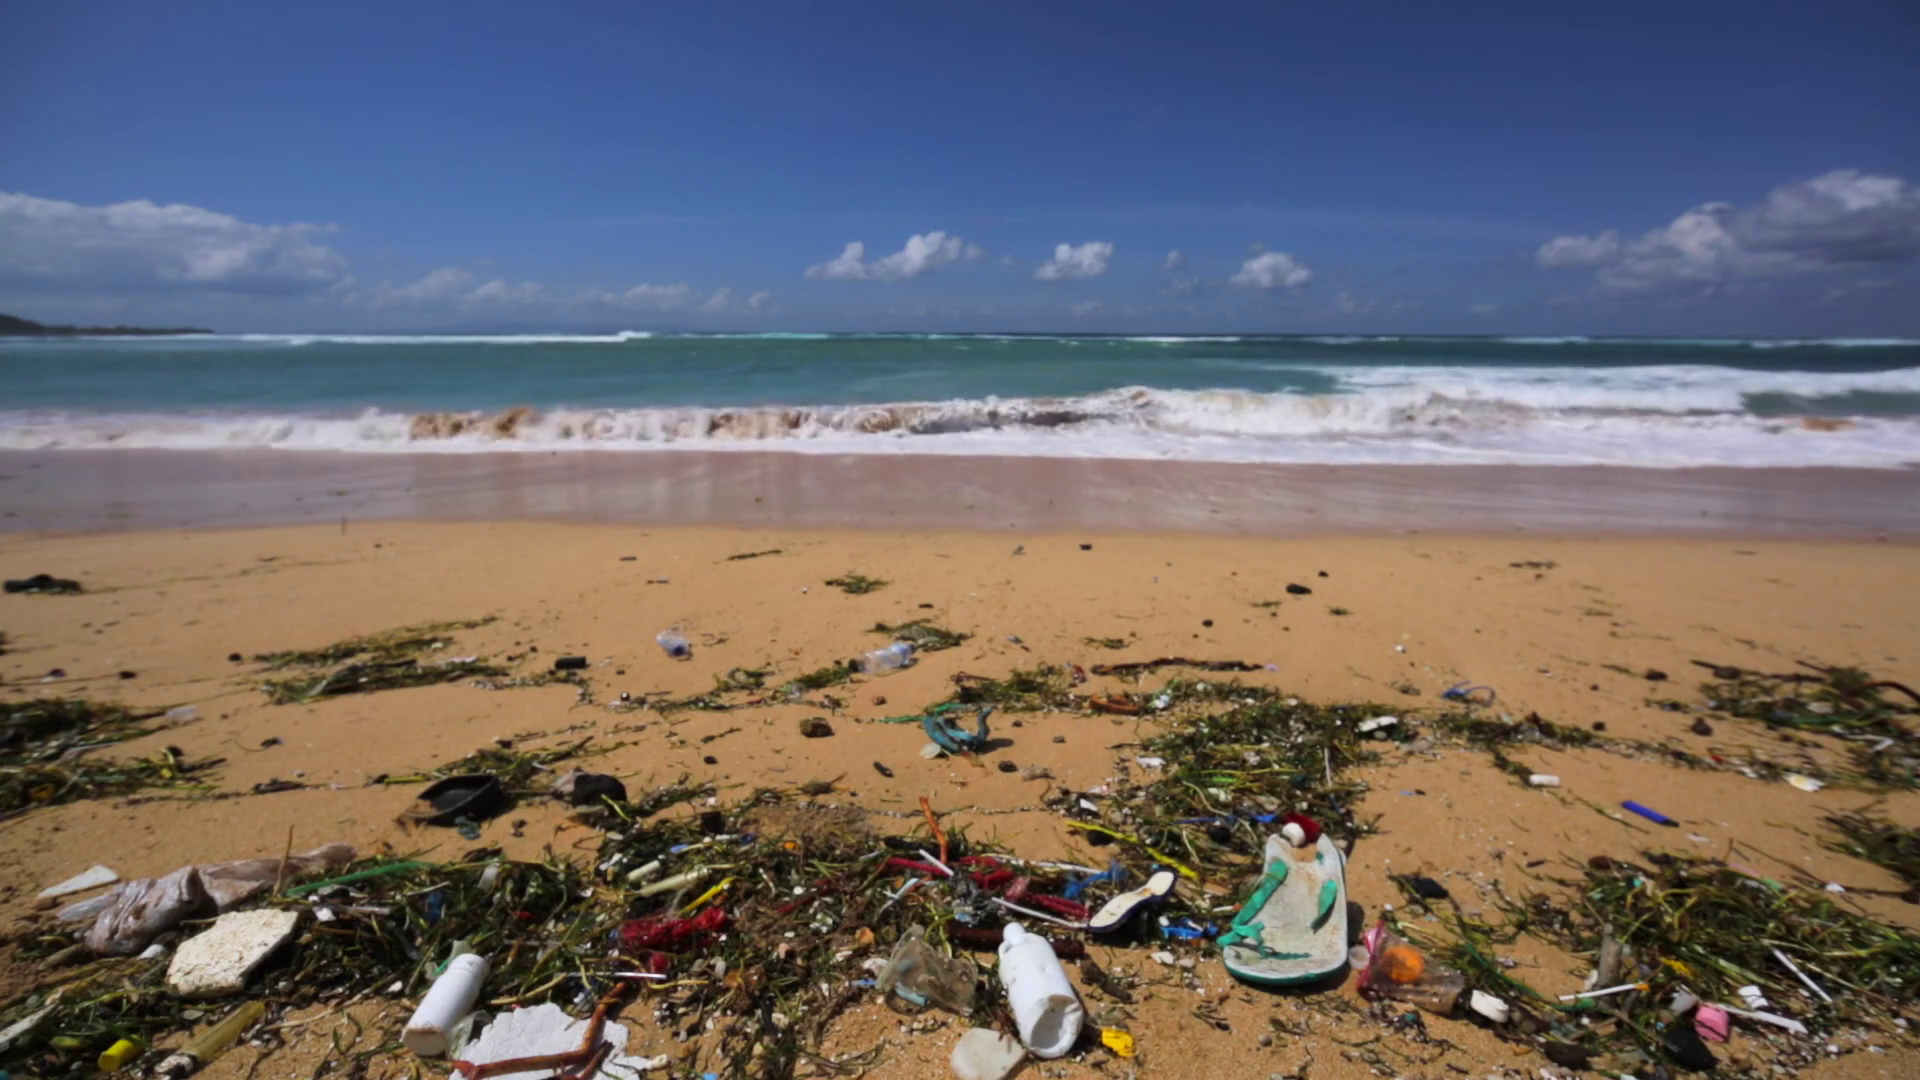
x=1045, y=1008
x=448, y=1000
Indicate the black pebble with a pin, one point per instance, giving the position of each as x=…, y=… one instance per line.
x=619, y=671
x=882, y=770
x=1567, y=1055
x=570, y=663
x=1008, y=766
x=711, y=760
x=1599, y=725
x=1299, y=590
x=129, y=674
x=1206, y=622
x=1086, y=547
x=1656, y=675
x=57, y=673
x=233, y=658
x=1323, y=573
x=1701, y=727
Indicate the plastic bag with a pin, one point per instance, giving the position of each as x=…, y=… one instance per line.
x=133, y=913
x=1400, y=971
x=918, y=973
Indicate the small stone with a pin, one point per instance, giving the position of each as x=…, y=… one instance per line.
x=1299, y=590
x=1008, y=766
x=1701, y=727
x=1163, y=958
x=1206, y=622
x=233, y=658
x=816, y=727
x=1059, y=738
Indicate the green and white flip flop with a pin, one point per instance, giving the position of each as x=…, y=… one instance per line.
x=1293, y=929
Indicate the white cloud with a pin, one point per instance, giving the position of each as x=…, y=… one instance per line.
x=1350, y=304
x=1087, y=307
x=1579, y=250
x=1272, y=270
x=719, y=301
x=1173, y=261
x=144, y=246
x=505, y=294
x=446, y=283
x=656, y=297
x=1076, y=261
x=1844, y=218
x=923, y=252
x=759, y=301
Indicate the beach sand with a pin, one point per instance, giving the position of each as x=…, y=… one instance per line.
x=1571, y=642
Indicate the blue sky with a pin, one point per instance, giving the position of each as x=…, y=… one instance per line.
x=1693, y=167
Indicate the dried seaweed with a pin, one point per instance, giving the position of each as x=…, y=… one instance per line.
x=407, y=642
x=42, y=748
x=390, y=661
x=745, y=555
x=923, y=635
x=1882, y=843
x=1104, y=642
x=857, y=584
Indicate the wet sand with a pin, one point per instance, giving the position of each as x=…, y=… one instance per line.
x=1568, y=641
x=85, y=491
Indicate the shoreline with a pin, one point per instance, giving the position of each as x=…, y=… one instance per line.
x=91, y=492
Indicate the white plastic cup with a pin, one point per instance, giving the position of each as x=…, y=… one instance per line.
x=1045, y=1007
x=448, y=1001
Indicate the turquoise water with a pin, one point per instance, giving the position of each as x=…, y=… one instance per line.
x=1399, y=399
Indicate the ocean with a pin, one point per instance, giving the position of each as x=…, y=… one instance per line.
x=1657, y=403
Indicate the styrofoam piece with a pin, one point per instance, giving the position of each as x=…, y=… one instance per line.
x=547, y=1029
x=218, y=962
x=986, y=1055
x=90, y=878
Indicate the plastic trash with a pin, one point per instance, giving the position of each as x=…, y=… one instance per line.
x=986, y=1055
x=216, y=1040
x=918, y=973
x=133, y=913
x=90, y=878
x=1045, y=1007
x=1490, y=1007
x=181, y=714
x=1650, y=814
x=880, y=661
x=219, y=960
x=1400, y=971
x=674, y=645
x=1541, y=779
x=448, y=1000
x=677, y=881
x=117, y=1055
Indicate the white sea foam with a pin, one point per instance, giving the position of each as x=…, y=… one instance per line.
x=1643, y=417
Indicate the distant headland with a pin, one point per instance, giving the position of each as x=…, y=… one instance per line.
x=14, y=326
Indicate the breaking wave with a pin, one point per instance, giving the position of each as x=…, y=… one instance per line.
x=1652, y=423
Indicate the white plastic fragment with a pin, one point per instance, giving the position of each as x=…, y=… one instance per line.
x=986, y=1055
x=90, y=878
x=217, y=962
x=547, y=1029
x=1541, y=779
x=1794, y=1026
x=1753, y=997
x=1367, y=727
x=1490, y=1007
x=1804, y=783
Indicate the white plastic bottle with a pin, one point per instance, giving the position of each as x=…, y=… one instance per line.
x=892, y=658
x=1045, y=1008
x=448, y=1000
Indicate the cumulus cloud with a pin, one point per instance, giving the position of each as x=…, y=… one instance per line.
x=1173, y=261
x=145, y=246
x=721, y=298
x=1841, y=219
x=923, y=253
x=655, y=297
x=1272, y=270
x=760, y=301
x=1076, y=261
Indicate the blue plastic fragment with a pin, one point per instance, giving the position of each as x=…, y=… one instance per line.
x=1650, y=814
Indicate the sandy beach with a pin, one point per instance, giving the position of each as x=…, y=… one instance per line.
x=1562, y=626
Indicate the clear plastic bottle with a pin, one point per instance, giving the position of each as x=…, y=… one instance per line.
x=892, y=658
x=676, y=646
